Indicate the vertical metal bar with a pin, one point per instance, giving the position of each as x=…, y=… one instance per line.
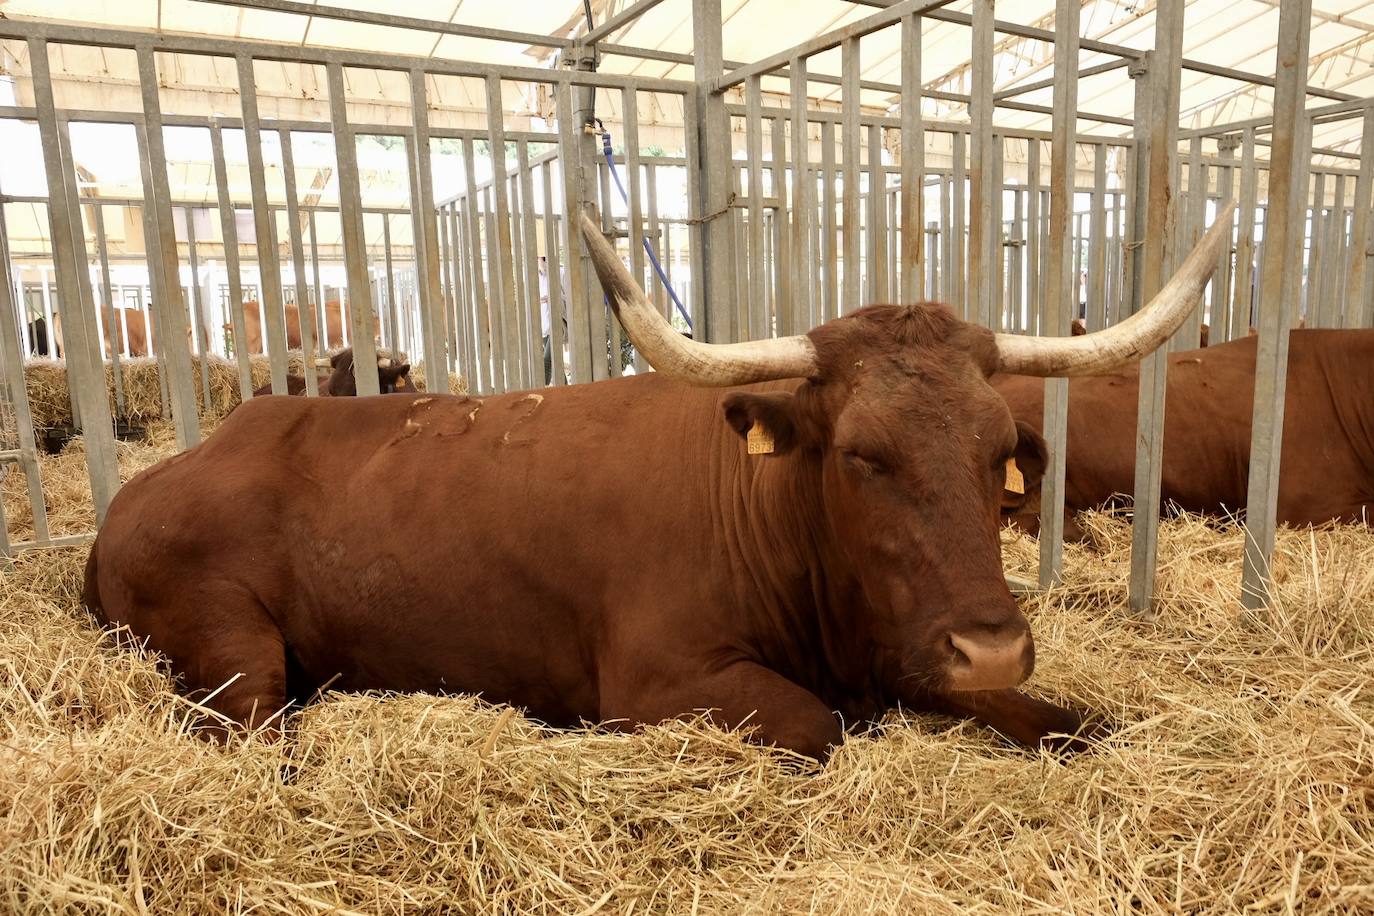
x=1359, y=304
x=556, y=309
x=1163, y=80
x=1062, y=166
x=12, y=362
x=1016, y=247
x=389, y=326
x=1328, y=307
x=697, y=181
x=960, y=240
x=996, y=267
x=1097, y=242
x=754, y=262
x=877, y=218
x=229, y=232
x=604, y=326
x=453, y=301
x=579, y=332
x=1242, y=294
x=171, y=310
x=426, y=237
x=829, y=241
x=1139, y=188
x=200, y=324
x=784, y=304
x=85, y=371
x=318, y=306
x=534, y=331
x=1219, y=324
x=113, y=328
x=851, y=140
x=355, y=251
x=482, y=345
x=1316, y=253
x=657, y=239
x=715, y=256
x=981, y=190
x=947, y=237
x=304, y=312
x=1282, y=272
x=269, y=271
x=499, y=245
x=462, y=267
x=1034, y=301
x=913, y=162
x=630, y=128
x=803, y=206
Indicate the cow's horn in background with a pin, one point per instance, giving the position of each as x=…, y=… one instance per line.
x=323, y=363
x=384, y=363
x=1141, y=334
x=717, y=365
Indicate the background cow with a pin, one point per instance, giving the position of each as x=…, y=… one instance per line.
x=335, y=316
x=819, y=536
x=393, y=375
x=1328, y=433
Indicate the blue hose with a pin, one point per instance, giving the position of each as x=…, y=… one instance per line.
x=653, y=258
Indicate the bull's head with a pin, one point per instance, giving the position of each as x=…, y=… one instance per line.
x=911, y=450
x=393, y=373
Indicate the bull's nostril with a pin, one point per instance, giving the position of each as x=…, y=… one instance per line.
x=957, y=655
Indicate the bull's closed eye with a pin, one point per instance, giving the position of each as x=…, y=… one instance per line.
x=865, y=465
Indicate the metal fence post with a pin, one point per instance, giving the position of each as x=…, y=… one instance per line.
x=1282, y=272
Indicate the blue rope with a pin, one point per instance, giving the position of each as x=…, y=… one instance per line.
x=653, y=258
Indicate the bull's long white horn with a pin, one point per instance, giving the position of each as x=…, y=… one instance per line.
x=1141, y=334
x=710, y=365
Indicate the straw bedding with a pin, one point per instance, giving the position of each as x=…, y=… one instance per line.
x=1240, y=775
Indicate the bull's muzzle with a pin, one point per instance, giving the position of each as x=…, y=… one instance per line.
x=990, y=657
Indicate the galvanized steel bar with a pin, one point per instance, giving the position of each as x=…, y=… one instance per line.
x=981, y=234
x=499, y=247
x=755, y=310
x=1328, y=305
x=1242, y=296
x=1359, y=302
x=580, y=349
x=828, y=244
x=715, y=254
x=877, y=218
x=1063, y=164
x=200, y=325
x=1282, y=268
x=913, y=163
x=483, y=379
x=960, y=234
x=553, y=263
x=534, y=331
x=430, y=293
x=354, y=240
x=803, y=291
x=785, y=307
x=1097, y=242
x=851, y=142
x=304, y=313
x=1034, y=275
x=114, y=330
x=12, y=361
x=171, y=311
x=229, y=233
x=389, y=325
x=269, y=271
x=1162, y=125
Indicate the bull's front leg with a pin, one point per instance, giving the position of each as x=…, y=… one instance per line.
x=742, y=693
x=1026, y=720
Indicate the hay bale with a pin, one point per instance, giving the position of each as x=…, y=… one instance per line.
x=50, y=400
x=1240, y=774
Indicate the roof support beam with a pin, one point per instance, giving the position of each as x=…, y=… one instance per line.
x=622, y=18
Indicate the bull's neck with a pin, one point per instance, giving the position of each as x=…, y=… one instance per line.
x=802, y=607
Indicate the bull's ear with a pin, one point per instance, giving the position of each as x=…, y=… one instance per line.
x=1031, y=457
x=395, y=375
x=770, y=417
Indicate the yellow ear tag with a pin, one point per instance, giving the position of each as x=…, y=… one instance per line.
x=1015, y=482
x=759, y=440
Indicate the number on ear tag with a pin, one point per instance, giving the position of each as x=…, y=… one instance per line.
x=1016, y=483
x=759, y=440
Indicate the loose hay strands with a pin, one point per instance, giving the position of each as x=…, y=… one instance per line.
x=1240, y=776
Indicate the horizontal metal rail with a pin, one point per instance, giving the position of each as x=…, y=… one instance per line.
x=90, y=36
